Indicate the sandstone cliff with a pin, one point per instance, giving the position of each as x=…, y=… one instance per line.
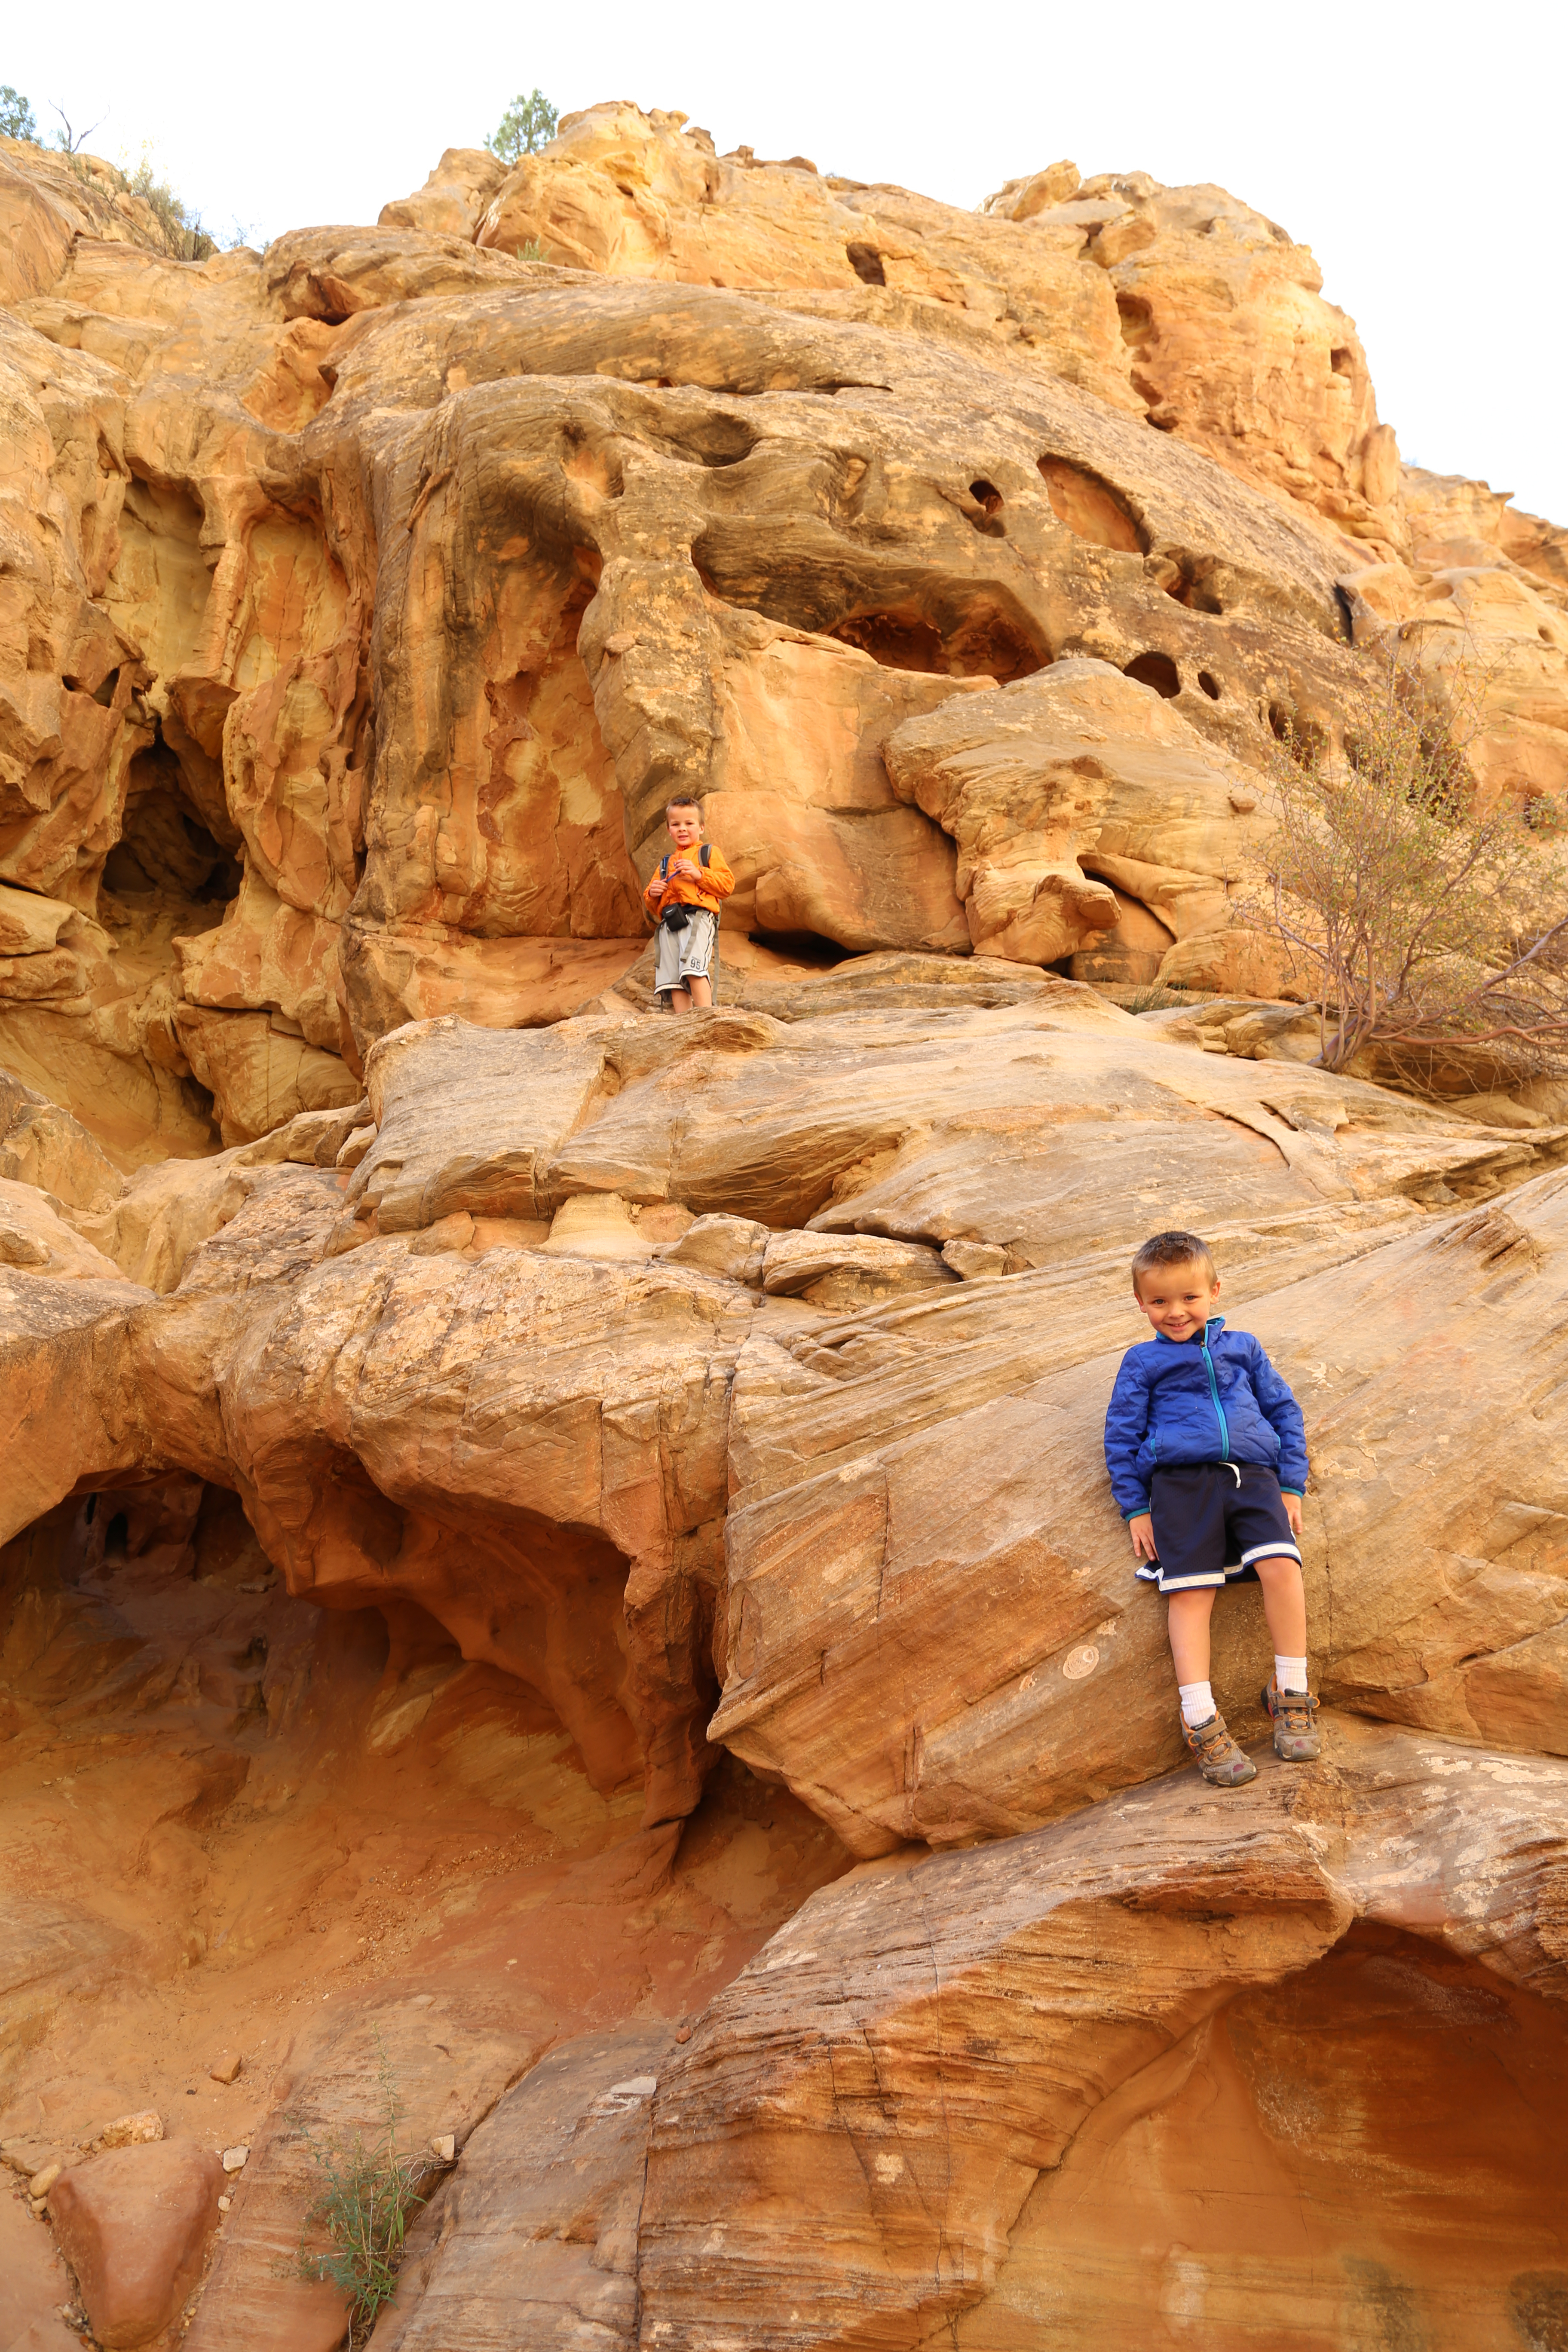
x=564, y=1553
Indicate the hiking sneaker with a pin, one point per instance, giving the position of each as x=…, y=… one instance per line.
x=1295, y=1739
x=1219, y=1760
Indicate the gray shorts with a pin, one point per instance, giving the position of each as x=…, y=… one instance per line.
x=686, y=954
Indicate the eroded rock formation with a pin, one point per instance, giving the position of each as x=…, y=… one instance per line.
x=557, y=1559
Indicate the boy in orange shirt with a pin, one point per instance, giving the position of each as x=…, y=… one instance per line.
x=688, y=887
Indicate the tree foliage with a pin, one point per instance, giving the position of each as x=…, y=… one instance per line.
x=1422, y=921
x=528, y=124
x=17, y=117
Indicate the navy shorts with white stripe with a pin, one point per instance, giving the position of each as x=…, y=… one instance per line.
x=1212, y=1521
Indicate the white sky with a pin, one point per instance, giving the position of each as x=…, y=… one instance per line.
x=1417, y=150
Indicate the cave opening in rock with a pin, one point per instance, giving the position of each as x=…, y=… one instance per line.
x=804, y=947
x=1157, y=670
x=867, y=262
x=903, y=639
x=1193, y=584
x=1209, y=684
x=982, y=641
x=165, y=847
x=1137, y=320
x=1090, y=509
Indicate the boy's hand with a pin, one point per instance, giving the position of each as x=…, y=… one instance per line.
x=685, y=865
x=1142, y=1530
x=1293, y=1512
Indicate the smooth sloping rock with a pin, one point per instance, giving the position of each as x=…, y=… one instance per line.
x=448, y=2068
x=839, y=2156
x=134, y=2225
x=940, y=1635
x=535, y=2238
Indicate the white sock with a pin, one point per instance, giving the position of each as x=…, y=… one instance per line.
x=1289, y=1674
x=1197, y=1703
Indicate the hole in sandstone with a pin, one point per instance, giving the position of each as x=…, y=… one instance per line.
x=1157, y=670
x=1340, y=360
x=1193, y=586
x=987, y=495
x=899, y=640
x=867, y=262
x=806, y=946
x=984, y=643
x=987, y=643
x=1210, y=684
x=163, y=846
x=1091, y=507
x=1427, y=2074
x=1282, y=722
x=117, y=1535
x=1137, y=320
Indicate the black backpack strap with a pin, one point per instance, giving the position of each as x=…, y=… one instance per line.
x=707, y=853
x=664, y=868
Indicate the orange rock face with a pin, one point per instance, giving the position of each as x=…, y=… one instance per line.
x=559, y=1606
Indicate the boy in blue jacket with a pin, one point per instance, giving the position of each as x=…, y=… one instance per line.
x=1207, y=1456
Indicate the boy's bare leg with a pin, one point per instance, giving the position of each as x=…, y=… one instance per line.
x=696, y=992
x=1189, y=1627
x=1284, y=1605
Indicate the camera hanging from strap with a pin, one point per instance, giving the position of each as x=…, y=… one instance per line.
x=676, y=918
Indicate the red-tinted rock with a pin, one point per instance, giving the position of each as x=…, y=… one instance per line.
x=133, y=2224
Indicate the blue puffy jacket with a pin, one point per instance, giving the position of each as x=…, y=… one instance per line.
x=1217, y=1399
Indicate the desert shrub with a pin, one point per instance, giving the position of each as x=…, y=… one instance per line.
x=17, y=117
x=528, y=124
x=366, y=2190
x=187, y=237
x=531, y=250
x=1421, y=921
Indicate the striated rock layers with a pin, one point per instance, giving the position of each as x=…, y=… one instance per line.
x=558, y=1597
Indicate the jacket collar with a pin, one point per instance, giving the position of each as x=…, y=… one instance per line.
x=1215, y=1325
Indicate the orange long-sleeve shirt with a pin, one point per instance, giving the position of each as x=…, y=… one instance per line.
x=680, y=890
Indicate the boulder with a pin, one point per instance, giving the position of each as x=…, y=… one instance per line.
x=134, y=2225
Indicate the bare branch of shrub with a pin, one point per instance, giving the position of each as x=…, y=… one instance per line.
x=1424, y=921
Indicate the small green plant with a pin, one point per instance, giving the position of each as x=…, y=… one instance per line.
x=367, y=2188
x=1153, y=996
x=528, y=124
x=184, y=232
x=17, y=117
x=531, y=250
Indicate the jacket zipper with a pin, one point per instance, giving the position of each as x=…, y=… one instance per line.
x=1213, y=1396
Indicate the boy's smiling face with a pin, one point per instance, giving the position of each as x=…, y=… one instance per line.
x=684, y=826
x=1177, y=1299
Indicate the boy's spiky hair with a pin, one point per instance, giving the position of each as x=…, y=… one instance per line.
x=1173, y=1248
x=683, y=799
